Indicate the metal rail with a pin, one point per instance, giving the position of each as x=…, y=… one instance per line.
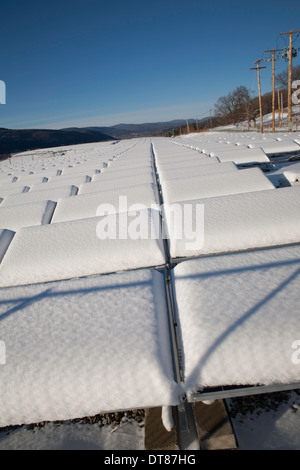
x=232, y=392
x=176, y=353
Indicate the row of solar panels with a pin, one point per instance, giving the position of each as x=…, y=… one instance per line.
x=236, y=204
x=78, y=340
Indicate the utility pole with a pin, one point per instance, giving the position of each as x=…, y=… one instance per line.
x=273, y=83
x=187, y=127
x=290, y=33
x=257, y=68
x=279, y=110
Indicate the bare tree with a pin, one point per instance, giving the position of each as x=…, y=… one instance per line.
x=282, y=78
x=235, y=107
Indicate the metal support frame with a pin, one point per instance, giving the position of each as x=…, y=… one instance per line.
x=176, y=354
x=232, y=392
x=186, y=426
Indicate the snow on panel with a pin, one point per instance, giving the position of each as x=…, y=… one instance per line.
x=239, y=318
x=210, y=147
x=179, y=151
x=26, y=215
x=13, y=188
x=84, y=247
x=53, y=194
x=86, y=205
x=221, y=184
x=285, y=174
x=86, y=346
x=181, y=163
x=29, y=180
x=239, y=156
x=292, y=173
x=123, y=163
x=42, y=175
x=61, y=181
x=279, y=147
x=166, y=174
x=235, y=223
x=116, y=183
x=7, y=179
x=84, y=168
x=117, y=173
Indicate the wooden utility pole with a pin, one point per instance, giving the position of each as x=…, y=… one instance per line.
x=187, y=126
x=257, y=68
x=273, y=83
x=290, y=33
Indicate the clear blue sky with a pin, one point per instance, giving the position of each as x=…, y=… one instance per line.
x=101, y=62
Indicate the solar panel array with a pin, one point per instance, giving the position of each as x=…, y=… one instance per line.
x=102, y=266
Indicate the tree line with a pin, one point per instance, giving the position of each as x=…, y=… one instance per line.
x=241, y=105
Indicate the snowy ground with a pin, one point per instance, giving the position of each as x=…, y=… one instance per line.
x=262, y=429
x=129, y=436
x=267, y=429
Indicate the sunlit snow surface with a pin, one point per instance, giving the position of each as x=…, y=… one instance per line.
x=84, y=316
x=78, y=347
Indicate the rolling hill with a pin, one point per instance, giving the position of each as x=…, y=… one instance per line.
x=20, y=140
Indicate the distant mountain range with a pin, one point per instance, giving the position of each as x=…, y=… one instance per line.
x=125, y=131
x=19, y=140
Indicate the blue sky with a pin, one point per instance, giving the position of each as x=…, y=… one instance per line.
x=101, y=62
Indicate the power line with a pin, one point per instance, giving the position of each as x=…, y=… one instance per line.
x=290, y=33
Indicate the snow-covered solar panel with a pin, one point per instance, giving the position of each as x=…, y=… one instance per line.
x=194, y=170
x=7, y=179
x=26, y=215
x=77, y=348
x=218, y=184
x=170, y=162
x=90, y=272
x=234, y=223
x=53, y=194
x=113, y=201
x=238, y=318
x=277, y=147
x=13, y=188
x=119, y=182
x=84, y=247
x=62, y=181
x=292, y=173
x=117, y=173
x=29, y=180
x=241, y=156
